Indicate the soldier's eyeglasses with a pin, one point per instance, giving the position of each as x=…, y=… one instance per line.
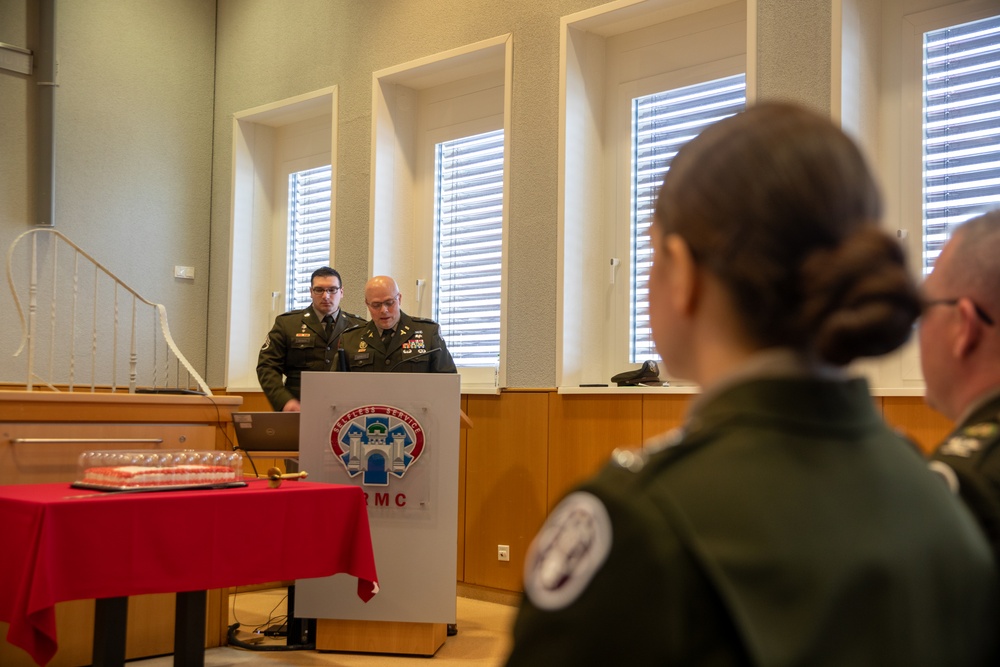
x=980, y=313
x=318, y=291
x=379, y=305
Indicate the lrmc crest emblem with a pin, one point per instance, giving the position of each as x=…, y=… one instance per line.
x=376, y=441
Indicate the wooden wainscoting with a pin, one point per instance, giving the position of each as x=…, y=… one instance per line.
x=528, y=447
x=583, y=431
x=506, y=471
x=911, y=415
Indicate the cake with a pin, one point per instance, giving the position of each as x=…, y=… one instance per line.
x=132, y=477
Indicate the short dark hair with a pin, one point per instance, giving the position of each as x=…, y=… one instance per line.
x=779, y=204
x=324, y=271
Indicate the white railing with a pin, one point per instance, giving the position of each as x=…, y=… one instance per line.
x=151, y=363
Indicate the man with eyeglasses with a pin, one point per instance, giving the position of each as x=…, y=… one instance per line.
x=960, y=357
x=304, y=340
x=394, y=342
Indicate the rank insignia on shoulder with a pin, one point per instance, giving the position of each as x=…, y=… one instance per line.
x=981, y=431
x=629, y=459
x=961, y=446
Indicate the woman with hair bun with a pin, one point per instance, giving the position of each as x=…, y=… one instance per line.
x=785, y=523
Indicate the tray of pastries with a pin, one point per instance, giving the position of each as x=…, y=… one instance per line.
x=159, y=470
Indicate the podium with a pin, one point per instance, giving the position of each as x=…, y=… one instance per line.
x=396, y=435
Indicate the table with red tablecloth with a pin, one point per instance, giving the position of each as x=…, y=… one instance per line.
x=64, y=544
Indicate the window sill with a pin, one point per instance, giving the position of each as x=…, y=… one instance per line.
x=612, y=389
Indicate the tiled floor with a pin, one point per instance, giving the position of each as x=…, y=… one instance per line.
x=483, y=638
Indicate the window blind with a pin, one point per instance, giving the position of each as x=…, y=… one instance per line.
x=469, y=234
x=308, y=231
x=661, y=124
x=961, y=151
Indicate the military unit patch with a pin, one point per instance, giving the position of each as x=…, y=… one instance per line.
x=568, y=551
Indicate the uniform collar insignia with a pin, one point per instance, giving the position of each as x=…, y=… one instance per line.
x=984, y=430
x=961, y=446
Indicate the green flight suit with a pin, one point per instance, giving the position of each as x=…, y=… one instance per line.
x=415, y=347
x=298, y=342
x=972, y=453
x=787, y=525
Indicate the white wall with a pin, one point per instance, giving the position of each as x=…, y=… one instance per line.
x=144, y=149
x=133, y=150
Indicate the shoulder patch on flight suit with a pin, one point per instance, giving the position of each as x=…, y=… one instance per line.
x=568, y=551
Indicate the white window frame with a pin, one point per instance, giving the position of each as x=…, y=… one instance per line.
x=627, y=92
x=614, y=54
x=901, y=145
x=472, y=376
x=415, y=106
x=268, y=142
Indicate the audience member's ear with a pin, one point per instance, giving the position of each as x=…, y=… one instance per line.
x=970, y=329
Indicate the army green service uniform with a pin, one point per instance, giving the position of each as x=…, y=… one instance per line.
x=786, y=525
x=298, y=342
x=971, y=455
x=416, y=346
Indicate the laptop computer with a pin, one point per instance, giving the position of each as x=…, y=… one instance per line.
x=267, y=431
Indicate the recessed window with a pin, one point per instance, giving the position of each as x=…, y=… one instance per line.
x=308, y=231
x=961, y=128
x=661, y=124
x=468, y=214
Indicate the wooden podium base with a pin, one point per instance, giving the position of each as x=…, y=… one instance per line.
x=379, y=636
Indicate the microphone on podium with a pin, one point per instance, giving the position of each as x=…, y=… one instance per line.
x=413, y=358
x=342, y=360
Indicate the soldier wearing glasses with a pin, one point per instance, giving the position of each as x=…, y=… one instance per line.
x=960, y=356
x=393, y=341
x=304, y=340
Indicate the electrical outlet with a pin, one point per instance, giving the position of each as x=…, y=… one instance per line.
x=503, y=552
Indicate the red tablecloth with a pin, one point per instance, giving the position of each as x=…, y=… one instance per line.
x=67, y=544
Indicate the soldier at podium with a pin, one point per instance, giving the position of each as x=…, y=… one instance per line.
x=393, y=341
x=304, y=340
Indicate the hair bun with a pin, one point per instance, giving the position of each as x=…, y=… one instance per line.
x=859, y=300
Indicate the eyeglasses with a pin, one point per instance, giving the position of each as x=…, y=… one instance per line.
x=980, y=313
x=319, y=291
x=378, y=305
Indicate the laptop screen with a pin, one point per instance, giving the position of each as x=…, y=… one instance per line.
x=267, y=431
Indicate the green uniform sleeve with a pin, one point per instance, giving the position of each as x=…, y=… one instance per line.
x=271, y=367
x=647, y=603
